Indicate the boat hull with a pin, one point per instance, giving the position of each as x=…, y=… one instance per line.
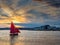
x=13, y=34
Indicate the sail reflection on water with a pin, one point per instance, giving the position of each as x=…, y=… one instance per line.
x=13, y=40
x=16, y=40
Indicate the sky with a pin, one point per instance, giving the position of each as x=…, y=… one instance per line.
x=30, y=12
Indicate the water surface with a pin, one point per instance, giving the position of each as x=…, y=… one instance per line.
x=30, y=38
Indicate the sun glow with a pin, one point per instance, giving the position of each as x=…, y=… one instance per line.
x=15, y=21
x=19, y=19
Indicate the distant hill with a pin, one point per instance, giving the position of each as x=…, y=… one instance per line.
x=47, y=28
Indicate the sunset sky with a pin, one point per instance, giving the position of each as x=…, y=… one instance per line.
x=34, y=12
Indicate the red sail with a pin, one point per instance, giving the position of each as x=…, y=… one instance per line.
x=17, y=30
x=13, y=29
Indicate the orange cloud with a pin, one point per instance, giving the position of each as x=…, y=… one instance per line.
x=15, y=19
x=21, y=19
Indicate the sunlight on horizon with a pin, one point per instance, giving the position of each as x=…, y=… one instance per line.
x=14, y=21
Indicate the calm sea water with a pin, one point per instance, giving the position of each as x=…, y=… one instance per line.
x=30, y=38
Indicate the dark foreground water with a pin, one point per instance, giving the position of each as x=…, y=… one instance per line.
x=30, y=38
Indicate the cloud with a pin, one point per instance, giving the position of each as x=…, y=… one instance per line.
x=53, y=3
x=48, y=10
x=4, y=25
x=28, y=11
x=26, y=2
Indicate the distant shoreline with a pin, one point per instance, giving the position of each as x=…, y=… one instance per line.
x=32, y=29
x=18, y=28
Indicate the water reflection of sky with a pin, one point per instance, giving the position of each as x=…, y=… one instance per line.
x=30, y=38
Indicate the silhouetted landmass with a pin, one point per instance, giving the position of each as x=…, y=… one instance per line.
x=41, y=28
x=18, y=28
x=47, y=28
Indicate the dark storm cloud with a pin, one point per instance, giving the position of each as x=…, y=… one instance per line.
x=4, y=15
x=40, y=14
x=44, y=18
x=16, y=4
x=23, y=2
x=54, y=3
x=8, y=2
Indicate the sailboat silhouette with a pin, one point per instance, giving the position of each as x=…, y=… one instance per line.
x=14, y=30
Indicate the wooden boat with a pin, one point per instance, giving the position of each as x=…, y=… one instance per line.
x=13, y=30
